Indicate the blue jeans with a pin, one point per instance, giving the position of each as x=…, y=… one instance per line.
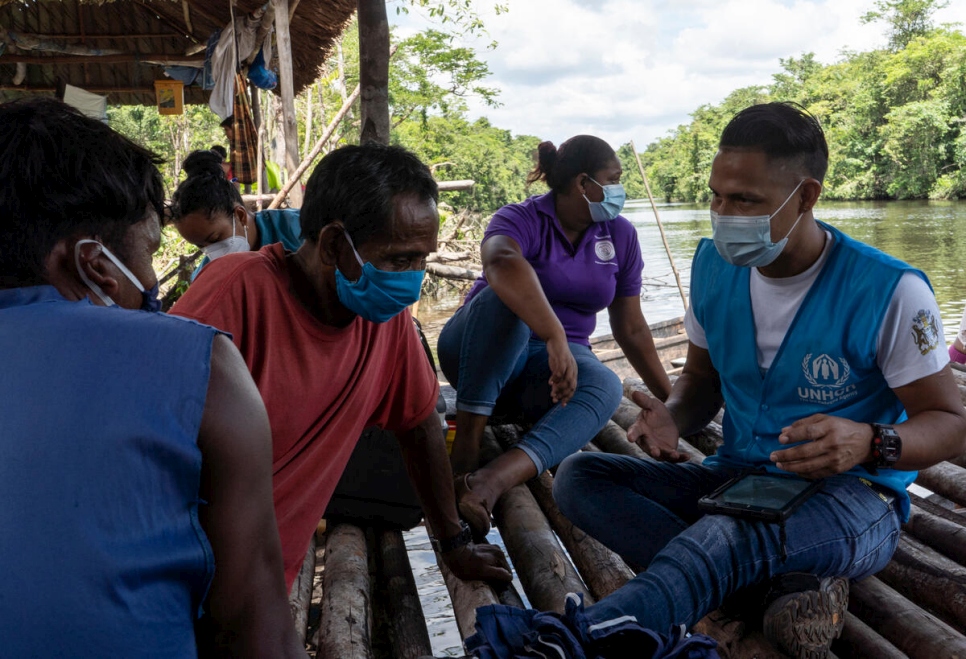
x=647, y=512
x=486, y=352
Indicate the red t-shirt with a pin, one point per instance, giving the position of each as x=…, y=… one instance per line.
x=321, y=385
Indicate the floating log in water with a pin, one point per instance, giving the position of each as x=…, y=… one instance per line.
x=540, y=562
x=928, y=578
x=408, y=633
x=939, y=533
x=945, y=479
x=912, y=630
x=467, y=596
x=602, y=570
x=452, y=272
x=859, y=641
x=300, y=596
x=345, y=628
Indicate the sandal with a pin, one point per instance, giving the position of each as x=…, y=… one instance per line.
x=472, y=507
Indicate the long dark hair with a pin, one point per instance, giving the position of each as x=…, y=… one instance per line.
x=557, y=166
x=206, y=188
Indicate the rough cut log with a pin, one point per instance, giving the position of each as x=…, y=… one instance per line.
x=344, y=630
x=937, y=510
x=287, y=88
x=374, y=71
x=467, y=596
x=410, y=639
x=859, y=641
x=939, y=533
x=300, y=596
x=626, y=413
x=919, y=634
x=929, y=579
x=613, y=439
x=734, y=640
x=602, y=570
x=509, y=596
x=452, y=272
x=451, y=186
x=445, y=257
x=959, y=461
x=945, y=479
x=540, y=562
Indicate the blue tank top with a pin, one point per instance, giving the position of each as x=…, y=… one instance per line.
x=101, y=552
x=826, y=363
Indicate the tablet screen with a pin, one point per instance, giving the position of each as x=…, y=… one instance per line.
x=764, y=491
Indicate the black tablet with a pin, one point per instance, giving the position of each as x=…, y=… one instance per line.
x=760, y=496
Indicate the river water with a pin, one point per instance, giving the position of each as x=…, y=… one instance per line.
x=928, y=235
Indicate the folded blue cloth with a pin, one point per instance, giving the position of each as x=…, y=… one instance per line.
x=506, y=632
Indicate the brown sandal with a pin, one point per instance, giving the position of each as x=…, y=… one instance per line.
x=472, y=507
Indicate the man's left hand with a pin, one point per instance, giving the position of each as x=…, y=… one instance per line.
x=832, y=445
x=478, y=562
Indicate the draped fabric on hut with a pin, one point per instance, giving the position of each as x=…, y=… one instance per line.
x=120, y=47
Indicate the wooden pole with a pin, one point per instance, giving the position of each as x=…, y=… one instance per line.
x=859, y=641
x=297, y=175
x=300, y=596
x=945, y=479
x=374, y=71
x=939, y=533
x=928, y=578
x=410, y=638
x=289, y=125
x=917, y=633
x=467, y=596
x=344, y=630
x=660, y=226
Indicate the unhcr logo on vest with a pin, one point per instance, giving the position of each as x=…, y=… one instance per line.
x=828, y=378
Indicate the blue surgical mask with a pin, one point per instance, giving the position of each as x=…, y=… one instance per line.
x=149, y=297
x=745, y=240
x=378, y=295
x=611, y=206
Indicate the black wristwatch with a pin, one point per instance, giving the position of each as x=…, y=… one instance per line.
x=461, y=539
x=886, y=447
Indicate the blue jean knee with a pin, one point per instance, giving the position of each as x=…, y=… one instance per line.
x=482, y=348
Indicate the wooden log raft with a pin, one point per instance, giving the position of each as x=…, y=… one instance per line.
x=346, y=624
x=301, y=594
x=408, y=633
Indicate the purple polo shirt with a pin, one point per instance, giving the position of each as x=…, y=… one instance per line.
x=578, y=280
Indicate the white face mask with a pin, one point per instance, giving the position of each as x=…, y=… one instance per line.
x=745, y=240
x=98, y=291
x=228, y=245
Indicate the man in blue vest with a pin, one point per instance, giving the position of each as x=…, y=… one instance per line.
x=828, y=355
x=135, y=451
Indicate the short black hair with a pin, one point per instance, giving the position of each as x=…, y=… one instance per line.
x=220, y=150
x=784, y=131
x=63, y=174
x=557, y=166
x=206, y=189
x=357, y=185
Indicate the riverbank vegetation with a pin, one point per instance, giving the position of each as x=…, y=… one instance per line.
x=895, y=118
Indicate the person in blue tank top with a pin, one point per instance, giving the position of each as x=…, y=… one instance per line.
x=135, y=451
x=828, y=357
x=208, y=212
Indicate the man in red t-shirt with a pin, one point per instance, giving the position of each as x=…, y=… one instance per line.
x=331, y=346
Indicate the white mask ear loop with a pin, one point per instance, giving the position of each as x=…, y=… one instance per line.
x=349, y=238
x=787, y=199
x=98, y=291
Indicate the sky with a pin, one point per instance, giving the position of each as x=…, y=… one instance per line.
x=635, y=69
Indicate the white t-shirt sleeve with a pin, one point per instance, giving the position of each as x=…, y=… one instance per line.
x=694, y=330
x=911, y=344
x=962, y=329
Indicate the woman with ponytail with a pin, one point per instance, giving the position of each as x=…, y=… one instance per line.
x=520, y=342
x=208, y=212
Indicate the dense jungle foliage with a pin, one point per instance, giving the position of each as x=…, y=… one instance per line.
x=894, y=118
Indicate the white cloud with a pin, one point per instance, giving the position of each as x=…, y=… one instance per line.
x=635, y=69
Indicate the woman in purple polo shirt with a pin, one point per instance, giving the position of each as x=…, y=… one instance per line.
x=520, y=342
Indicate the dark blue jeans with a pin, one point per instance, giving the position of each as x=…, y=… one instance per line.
x=486, y=352
x=647, y=512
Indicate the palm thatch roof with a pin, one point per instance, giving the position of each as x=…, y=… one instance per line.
x=135, y=38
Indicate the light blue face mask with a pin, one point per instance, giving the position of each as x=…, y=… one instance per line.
x=611, y=206
x=378, y=295
x=745, y=240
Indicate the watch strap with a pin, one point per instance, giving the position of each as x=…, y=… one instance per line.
x=461, y=539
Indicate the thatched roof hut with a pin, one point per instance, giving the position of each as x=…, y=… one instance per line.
x=118, y=47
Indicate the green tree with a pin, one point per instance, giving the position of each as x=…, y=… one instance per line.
x=907, y=19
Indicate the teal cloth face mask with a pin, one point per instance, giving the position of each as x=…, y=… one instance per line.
x=611, y=206
x=745, y=240
x=378, y=295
